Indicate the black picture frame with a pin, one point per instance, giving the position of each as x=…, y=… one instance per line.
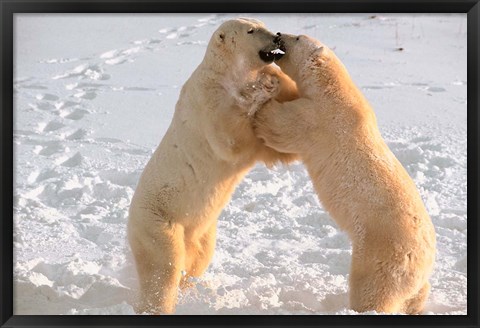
x=10, y=7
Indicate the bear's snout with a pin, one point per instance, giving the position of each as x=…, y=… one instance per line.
x=280, y=51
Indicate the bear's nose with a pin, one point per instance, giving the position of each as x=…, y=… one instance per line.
x=277, y=37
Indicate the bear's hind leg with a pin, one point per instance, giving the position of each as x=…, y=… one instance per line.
x=200, y=252
x=416, y=304
x=160, y=258
x=370, y=290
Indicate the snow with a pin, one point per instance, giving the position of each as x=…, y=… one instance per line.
x=94, y=94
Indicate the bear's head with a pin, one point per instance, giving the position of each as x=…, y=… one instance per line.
x=247, y=41
x=299, y=50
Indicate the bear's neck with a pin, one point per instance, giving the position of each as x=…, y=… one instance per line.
x=329, y=82
x=232, y=76
x=217, y=62
x=341, y=109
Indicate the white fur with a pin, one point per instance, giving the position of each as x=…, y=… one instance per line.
x=208, y=148
x=357, y=178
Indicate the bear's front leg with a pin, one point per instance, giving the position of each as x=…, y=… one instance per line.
x=280, y=127
x=288, y=88
x=256, y=93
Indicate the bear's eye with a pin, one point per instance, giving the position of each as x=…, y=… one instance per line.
x=250, y=31
x=298, y=38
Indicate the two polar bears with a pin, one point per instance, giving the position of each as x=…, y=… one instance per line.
x=211, y=144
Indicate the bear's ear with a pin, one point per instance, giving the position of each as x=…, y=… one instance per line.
x=221, y=37
x=318, y=51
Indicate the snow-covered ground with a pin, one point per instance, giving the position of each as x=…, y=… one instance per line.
x=94, y=95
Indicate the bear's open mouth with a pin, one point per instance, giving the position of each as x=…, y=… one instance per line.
x=270, y=56
x=266, y=56
x=278, y=53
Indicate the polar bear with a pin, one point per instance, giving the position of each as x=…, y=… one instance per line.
x=208, y=148
x=357, y=178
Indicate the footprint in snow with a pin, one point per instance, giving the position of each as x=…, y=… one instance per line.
x=89, y=95
x=75, y=160
x=436, y=89
x=200, y=43
x=147, y=41
x=77, y=134
x=117, y=60
x=61, y=60
x=180, y=32
x=84, y=71
x=65, y=104
x=431, y=89
x=376, y=87
x=47, y=96
x=42, y=106
x=50, y=126
x=44, y=175
x=75, y=115
x=49, y=148
x=116, y=57
x=33, y=87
